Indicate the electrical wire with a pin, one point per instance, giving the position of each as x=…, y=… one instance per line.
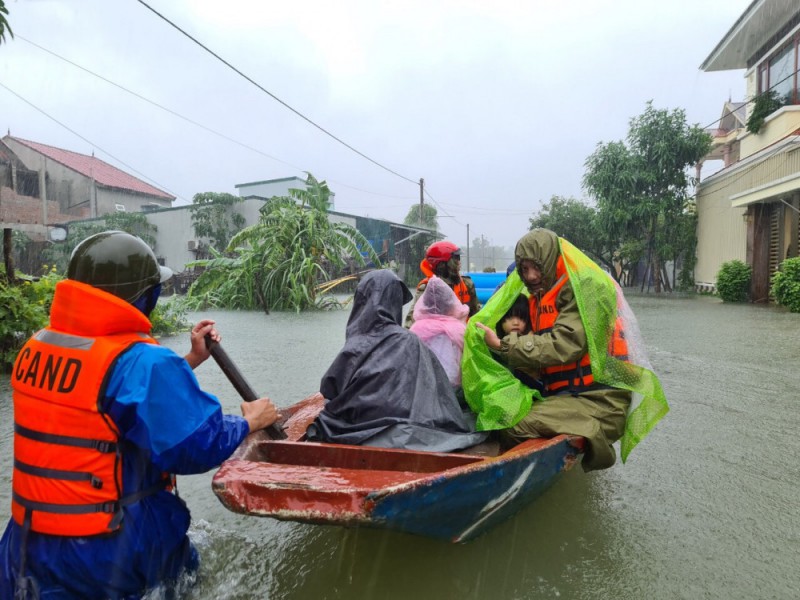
x=753, y=99
x=274, y=97
x=195, y=123
x=91, y=143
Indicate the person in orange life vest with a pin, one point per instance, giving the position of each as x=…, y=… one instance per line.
x=557, y=346
x=443, y=259
x=104, y=418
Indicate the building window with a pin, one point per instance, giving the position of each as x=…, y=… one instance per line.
x=778, y=74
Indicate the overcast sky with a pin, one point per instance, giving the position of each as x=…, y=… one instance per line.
x=495, y=104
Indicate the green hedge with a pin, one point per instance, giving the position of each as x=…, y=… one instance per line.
x=733, y=281
x=785, y=284
x=25, y=308
x=22, y=312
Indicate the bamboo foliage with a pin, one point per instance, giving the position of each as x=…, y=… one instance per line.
x=280, y=262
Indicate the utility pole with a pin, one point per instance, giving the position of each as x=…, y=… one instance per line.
x=43, y=190
x=468, y=266
x=421, y=198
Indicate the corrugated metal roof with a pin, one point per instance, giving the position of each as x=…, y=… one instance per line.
x=95, y=168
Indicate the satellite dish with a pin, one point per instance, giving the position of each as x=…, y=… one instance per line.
x=57, y=233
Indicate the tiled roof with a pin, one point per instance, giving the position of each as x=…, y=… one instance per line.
x=91, y=166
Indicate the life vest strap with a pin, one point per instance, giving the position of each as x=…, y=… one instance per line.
x=136, y=496
x=84, y=509
x=66, y=509
x=27, y=587
x=96, y=482
x=102, y=446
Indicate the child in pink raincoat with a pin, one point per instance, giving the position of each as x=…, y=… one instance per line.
x=440, y=320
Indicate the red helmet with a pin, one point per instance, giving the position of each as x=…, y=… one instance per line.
x=441, y=252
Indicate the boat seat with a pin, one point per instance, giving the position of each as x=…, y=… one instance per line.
x=488, y=448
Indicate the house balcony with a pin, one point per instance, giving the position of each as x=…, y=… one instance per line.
x=780, y=124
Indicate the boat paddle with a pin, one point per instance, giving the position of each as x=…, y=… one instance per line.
x=235, y=376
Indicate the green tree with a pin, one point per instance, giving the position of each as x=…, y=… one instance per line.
x=316, y=195
x=429, y=219
x=4, y=26
x=280, y=262
x=576, y=221
x=418, y=243
x=214, y=218
x=57, y=255
x=641, y=188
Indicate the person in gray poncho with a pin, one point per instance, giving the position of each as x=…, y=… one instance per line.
x=386, y=388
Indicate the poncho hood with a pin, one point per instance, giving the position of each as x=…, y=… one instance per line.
x=540, y=246
x=440, y=299
x=386, y=388
x=378, y=302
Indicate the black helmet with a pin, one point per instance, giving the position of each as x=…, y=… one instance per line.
x=118, y=263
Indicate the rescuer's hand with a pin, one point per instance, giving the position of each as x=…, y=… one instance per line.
x=260, y=413
x=199, y=352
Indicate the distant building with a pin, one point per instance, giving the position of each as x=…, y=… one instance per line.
x=275, y=187
x=749, y=209
x=177, y=245
x=75, y=185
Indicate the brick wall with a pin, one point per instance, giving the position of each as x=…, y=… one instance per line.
x=15, y=208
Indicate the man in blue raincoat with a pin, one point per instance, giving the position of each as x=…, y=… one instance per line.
x=104, y=418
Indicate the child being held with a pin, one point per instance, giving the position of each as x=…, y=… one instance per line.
x=517, y=320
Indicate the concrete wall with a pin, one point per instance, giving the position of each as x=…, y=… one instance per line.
x=777, y=126
x=110, y=200
x=71, y=190
x=721, y=233
x=173, y=235
x=275, y=187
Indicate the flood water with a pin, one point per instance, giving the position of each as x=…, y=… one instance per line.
x=708, y=506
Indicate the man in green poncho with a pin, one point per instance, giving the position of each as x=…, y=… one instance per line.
x=578, y=398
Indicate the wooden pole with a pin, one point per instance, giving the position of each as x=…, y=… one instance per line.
x=468, y=265
x=421, y=198
x=8, y=247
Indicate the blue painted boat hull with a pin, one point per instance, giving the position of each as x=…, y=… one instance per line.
x=461, y=506
x=454, y=497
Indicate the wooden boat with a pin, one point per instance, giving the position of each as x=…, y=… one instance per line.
x=453, y=496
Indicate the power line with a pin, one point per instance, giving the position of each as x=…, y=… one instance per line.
x=195, y=123
x=91, y=143
x=765, y=92
x=274, y=97
x=156, y=104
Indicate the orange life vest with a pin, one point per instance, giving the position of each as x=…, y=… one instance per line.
x=460, y=289
x=67, y=459
x=574, y=377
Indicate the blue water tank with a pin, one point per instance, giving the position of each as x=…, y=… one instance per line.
x=486, y=284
